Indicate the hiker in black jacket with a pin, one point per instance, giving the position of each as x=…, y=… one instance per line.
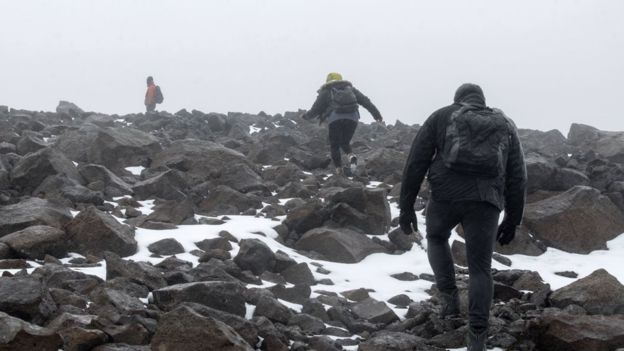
x=337, y=103
x=475, y=169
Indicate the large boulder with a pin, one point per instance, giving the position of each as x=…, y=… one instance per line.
x=20, y=335
x=372, y=212
x=374, y=311
x=225, y=200
x=169, y=185
x=140, y=272
x=562, y=331
x=607, y=144
x=100, y=178
x=59, y=188
x=245, y=328
x=92, y=232
x=30, y=142
x=598, y=293
x=306, y=217
x=272, y=309
x=338, y=245
x=176, y=212
x=37, y=241
x=544, y=175
x=32, y=169
x=580, y=220
x=395, y=341
x=308, y=160
x=26, y=298
x=283, y=174
x=112, y=147
x=110, y=304
x=256, y=256
x=185, y=329
x=383, y=162
x=550, y=144
x=61, y=277
x=207, y=161
x=224, y=296
x=30, y=212
x=267, y=152
x=69, y=108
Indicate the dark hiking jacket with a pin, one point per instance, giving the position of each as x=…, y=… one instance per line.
x=322, y=106
x=507, y=191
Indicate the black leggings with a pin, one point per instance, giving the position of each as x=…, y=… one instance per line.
x=340, y=133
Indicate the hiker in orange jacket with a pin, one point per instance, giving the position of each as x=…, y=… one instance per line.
x=150, y=95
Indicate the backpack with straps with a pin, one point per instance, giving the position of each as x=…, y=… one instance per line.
x=343, y=99
x=476, y=141
x=158, y=96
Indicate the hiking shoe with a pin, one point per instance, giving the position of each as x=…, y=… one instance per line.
x=450, y=304
x=339, y=171
x=353, y=162
x=476, y=341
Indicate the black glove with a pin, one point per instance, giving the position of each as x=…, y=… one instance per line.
x=506, y=233
x=306, y=116
x=407, y=222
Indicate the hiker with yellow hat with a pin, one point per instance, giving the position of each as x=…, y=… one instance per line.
x=337, y=103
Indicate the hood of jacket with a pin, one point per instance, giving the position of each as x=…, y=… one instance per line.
x=469, y=93
x=335, y=83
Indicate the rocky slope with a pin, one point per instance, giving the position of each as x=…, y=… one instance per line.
x=82, y=192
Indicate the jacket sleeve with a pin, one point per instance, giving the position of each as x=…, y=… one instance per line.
x=367, y=104
x=417, y=164
x=320, y=105
x=515, y=180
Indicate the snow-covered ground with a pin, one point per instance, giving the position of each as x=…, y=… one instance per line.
x=374, y=271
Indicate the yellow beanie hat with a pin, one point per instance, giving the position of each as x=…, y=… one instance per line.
x=333, y=76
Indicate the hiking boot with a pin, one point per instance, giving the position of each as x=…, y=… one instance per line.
x=353, y=162
x=339, y=171
x=450, y=304
x=476, y=341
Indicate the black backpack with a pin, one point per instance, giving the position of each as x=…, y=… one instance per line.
x=476, y=141
x=159, y=95
x=343, y=99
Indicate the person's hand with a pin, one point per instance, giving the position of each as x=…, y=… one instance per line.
x=408, y=222
x=506, y=233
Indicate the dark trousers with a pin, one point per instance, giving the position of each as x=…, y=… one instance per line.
x=480, y=222
x=340, y=133
x=150, y=108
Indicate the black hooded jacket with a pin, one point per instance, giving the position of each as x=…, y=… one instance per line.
x=322, y=106
x=507, y=191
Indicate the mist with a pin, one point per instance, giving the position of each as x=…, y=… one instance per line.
x=547, y=63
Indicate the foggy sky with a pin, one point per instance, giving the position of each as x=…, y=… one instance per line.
x=546, y=63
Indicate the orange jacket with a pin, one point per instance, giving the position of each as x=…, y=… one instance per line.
x=150, y=95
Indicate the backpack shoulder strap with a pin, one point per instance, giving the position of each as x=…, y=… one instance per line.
x=464, y=107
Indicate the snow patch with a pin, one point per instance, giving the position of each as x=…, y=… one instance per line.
x=135, y=170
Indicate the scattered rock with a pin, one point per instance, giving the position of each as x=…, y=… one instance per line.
x=598, y=293
x=342, y=245
x=37, y=241
x=580, y=220
x=31, y=212
x=255, y=255
x=93, y=232
x=185, y=329
x=167, y=247
x=224, y=296
x=20, y=335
